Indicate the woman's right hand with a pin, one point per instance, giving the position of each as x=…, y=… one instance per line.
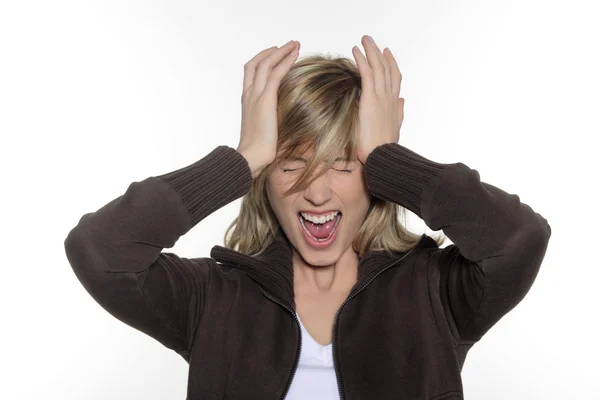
x=262, y=76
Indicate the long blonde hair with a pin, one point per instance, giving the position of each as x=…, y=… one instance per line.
x=317, y=108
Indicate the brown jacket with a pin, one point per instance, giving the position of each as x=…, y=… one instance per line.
x=403, y=332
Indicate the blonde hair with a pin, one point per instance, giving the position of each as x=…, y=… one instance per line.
x=317, y=108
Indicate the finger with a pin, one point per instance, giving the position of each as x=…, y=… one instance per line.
x=264, y=67
x=395, y=72
x=279, y=72
x=386, y=68
x=388, y=74
x=377, y=63
x=366, y=74
x=250, y=66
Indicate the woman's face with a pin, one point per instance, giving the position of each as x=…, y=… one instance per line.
x=336, y=190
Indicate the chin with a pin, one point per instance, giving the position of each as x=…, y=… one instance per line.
x=318, y=260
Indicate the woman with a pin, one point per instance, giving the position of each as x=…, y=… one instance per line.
x=319, y=291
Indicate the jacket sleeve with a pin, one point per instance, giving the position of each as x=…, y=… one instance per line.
x=499, y=242
x=116, y=251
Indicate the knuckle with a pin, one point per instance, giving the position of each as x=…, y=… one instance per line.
x=263, y=98
x=265, y=63
x=275, y=75
x=247, y=94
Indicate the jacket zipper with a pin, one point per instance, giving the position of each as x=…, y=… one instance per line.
x=335, y=359
x=298, y=351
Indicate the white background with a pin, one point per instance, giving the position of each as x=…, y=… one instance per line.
x=96, y=95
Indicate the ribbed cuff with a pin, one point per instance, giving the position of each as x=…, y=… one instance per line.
x=220, y=177
x=397, y=174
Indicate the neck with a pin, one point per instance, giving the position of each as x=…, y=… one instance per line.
x=325, y=278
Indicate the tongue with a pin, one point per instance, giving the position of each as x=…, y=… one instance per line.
x=320, y=231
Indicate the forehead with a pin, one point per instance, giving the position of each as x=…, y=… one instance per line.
x=299, y=155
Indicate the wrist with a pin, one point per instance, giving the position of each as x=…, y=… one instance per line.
x=255, y=163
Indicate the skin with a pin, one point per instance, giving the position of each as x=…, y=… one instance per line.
x=337, y=189
x=323, y=278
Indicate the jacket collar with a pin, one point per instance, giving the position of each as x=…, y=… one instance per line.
x=273, y=268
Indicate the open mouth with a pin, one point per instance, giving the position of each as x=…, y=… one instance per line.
x=320, y=233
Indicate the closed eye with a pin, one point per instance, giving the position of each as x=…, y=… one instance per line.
x=341, y=170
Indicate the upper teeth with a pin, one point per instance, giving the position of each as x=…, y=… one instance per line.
x=321, y=219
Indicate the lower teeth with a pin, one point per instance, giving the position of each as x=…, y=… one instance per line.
x=330, y=234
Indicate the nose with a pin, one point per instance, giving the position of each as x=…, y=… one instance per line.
x=318, y=192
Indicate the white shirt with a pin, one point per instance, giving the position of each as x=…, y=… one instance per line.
x=315, y=377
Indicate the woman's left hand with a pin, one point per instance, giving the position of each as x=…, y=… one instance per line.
x=381, y=111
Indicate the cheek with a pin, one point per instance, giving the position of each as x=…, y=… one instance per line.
x=354, y=188
x=278, y=202
x=355, y=195
x=280, y=182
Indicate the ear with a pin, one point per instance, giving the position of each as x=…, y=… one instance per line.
x=400, y=111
